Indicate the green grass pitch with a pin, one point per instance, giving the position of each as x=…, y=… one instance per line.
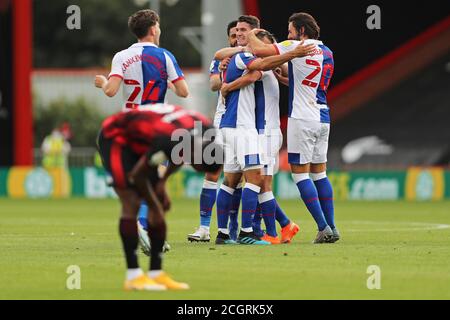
x=410, y=242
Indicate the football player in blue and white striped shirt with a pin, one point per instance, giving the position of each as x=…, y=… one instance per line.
x=243, y=151
x=309, y=119
x=209, y=190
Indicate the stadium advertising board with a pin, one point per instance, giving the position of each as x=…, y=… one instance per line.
x=352, y=185
x=29, y=182
x=447, y=184
x=426, y=184
x=421, y=184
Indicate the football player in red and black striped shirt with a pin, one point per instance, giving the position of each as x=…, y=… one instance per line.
x=132, y=144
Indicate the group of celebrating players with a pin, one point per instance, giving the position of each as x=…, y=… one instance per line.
x=134, y=144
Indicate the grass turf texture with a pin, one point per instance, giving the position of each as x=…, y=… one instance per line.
x=40, y=239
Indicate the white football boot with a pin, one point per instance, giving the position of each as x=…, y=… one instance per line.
x=200, y=235
x=144, y=241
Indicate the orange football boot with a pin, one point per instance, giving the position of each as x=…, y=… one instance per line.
x=272, y=240
x=288, y=232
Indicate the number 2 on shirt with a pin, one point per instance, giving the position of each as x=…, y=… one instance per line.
x=308, y=81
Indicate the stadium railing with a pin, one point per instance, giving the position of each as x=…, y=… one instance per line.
x=78, y=157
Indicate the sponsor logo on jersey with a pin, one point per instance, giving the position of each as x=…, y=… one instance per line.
x=286, y=43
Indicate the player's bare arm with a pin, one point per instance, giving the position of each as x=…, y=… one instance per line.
x=228, y=52
x=138, y=177
x=160, y=190
x=224, y=64
x=258, y=47
x=110, y=87
x=281, y=76
x=171, y=86
x=284, y=70
x=273, y=62
x=164, y=172
x=241, y=82
x=181, y=88
x=215, y=83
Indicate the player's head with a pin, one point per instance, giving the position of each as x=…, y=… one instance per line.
x=144, y=24
x=66, y=131
x=303, y=26
x=266, y=37
x=232, y=32
x=244, y=25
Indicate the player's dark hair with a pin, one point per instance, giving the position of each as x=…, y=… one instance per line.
x=307, y=21
x=230, y=26
x=266, y=34
x=251, y=20
x=140, y=22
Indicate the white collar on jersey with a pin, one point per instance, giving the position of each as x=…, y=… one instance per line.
x=144, y=44
x=313, y=41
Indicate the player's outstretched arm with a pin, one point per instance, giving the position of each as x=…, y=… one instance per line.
x=110, y=87
x=258, y=47
x=228, y=52
x=181, y=88
x=241, y=82
x=271, y=63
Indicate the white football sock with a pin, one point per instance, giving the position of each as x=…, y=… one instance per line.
x=134, y=273
x=224, y=231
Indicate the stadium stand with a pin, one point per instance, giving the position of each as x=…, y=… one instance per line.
x=411, y=119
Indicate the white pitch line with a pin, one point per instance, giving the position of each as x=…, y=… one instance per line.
x=414, y=226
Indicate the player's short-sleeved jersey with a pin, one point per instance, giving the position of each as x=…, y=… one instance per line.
x=267, y=95
x=239, y=104
x=214, y=68
x=145, y=70
x=309, y=78
x=150, y=131
x=220, y=110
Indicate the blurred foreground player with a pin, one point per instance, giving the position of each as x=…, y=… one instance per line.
x=132, y=145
